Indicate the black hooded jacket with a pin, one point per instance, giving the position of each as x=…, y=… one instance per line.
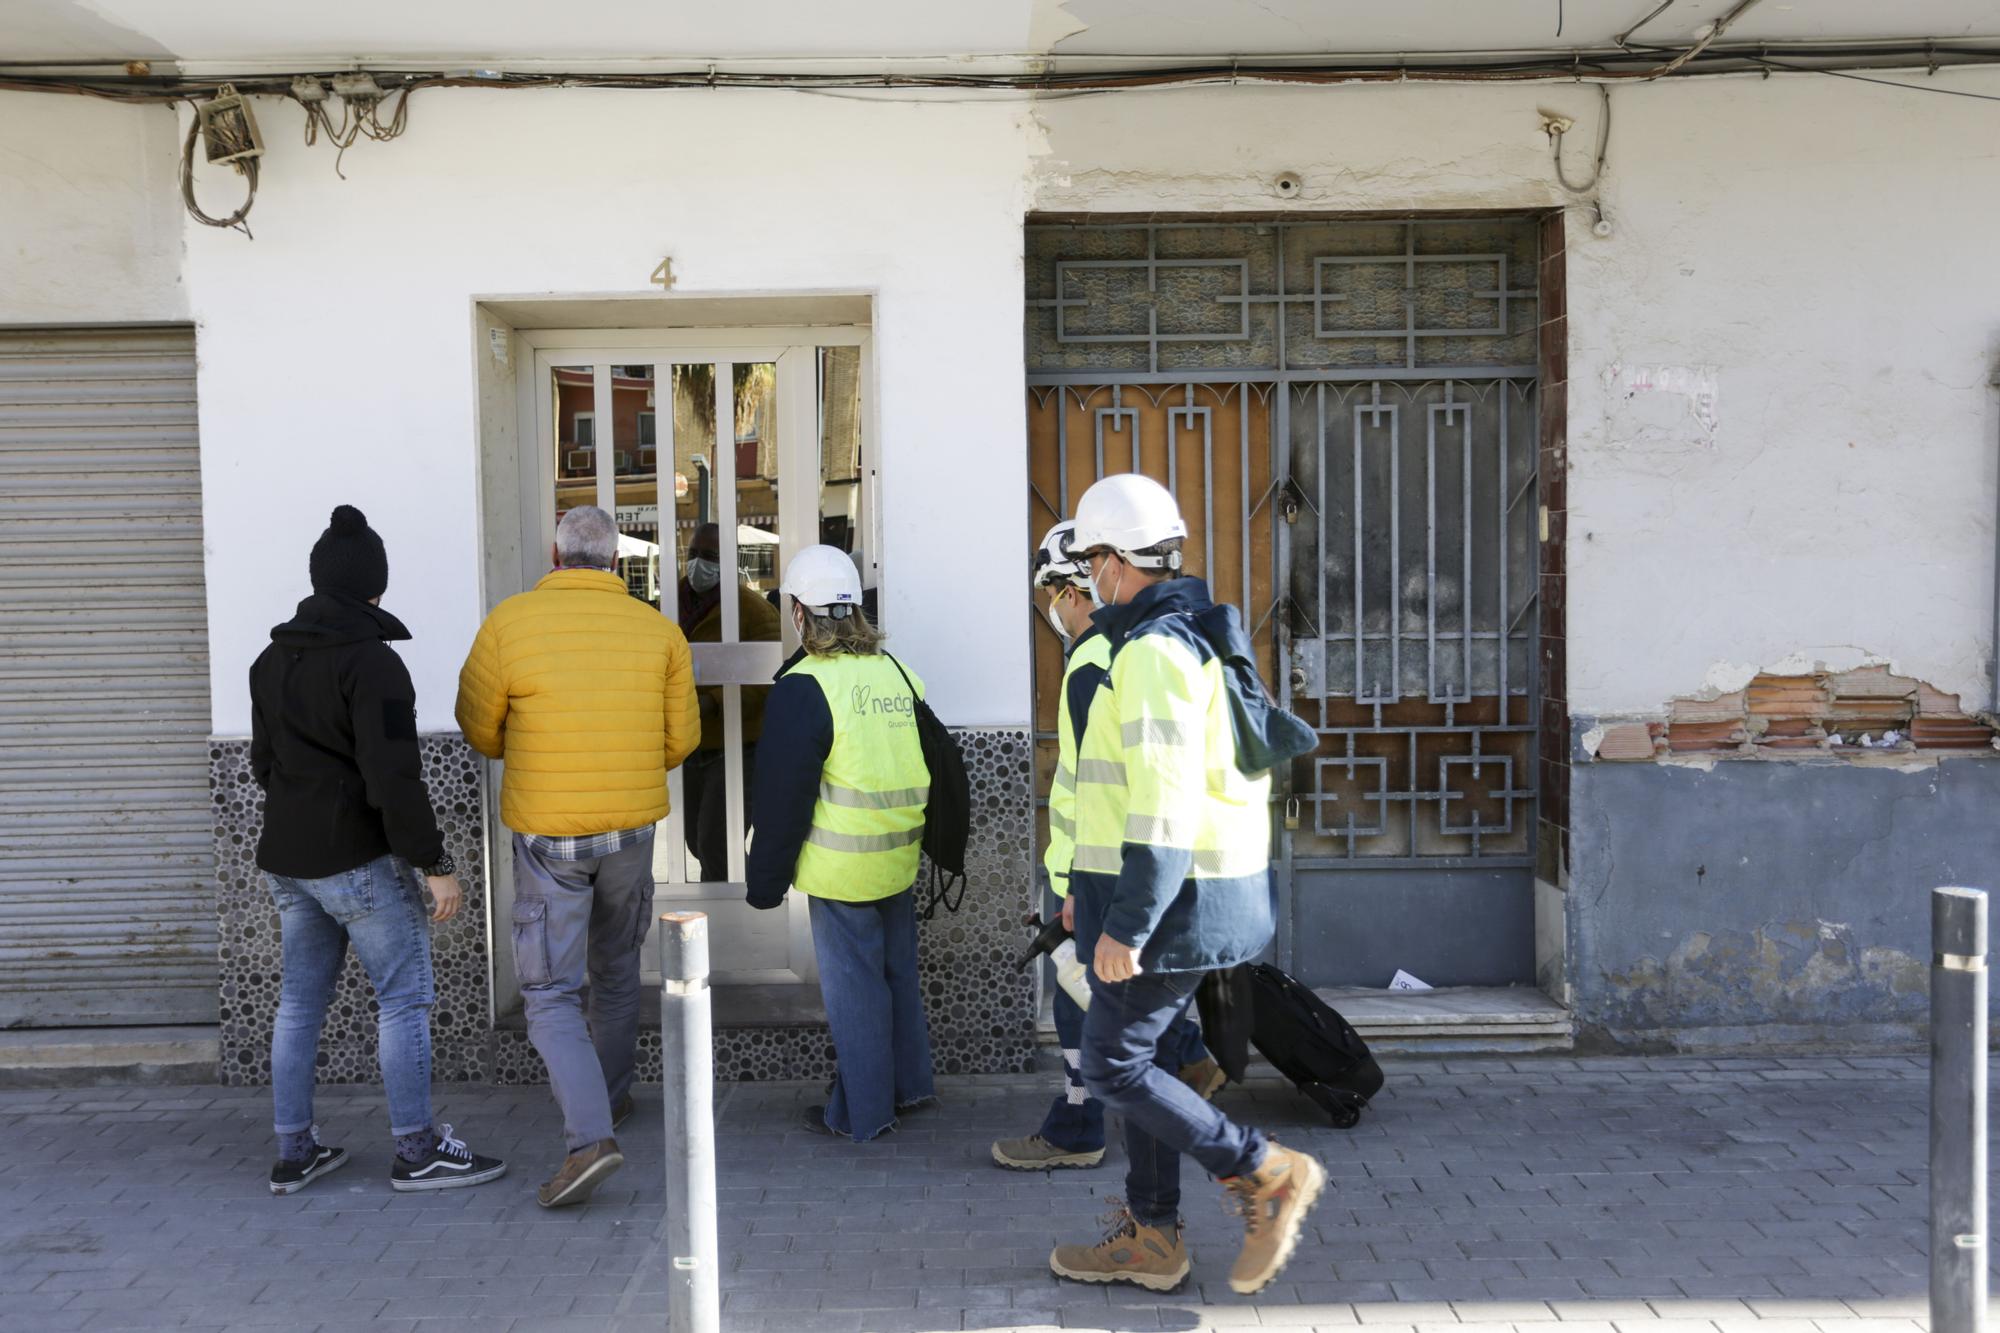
x=333, y=743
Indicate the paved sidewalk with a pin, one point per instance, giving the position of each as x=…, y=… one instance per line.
x=1563, y=1196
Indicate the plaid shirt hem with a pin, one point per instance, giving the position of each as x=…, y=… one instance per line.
x=588, y=847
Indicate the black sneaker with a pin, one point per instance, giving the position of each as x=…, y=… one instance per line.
x=815, y=1122
x=448, y=1165
x=291, y=1177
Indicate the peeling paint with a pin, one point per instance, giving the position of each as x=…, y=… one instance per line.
x=1727, y=678
x=1699, y=385
x=1784, y=972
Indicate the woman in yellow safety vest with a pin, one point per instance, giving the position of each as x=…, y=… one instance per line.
x=839, y=808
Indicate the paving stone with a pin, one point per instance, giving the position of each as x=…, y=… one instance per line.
x=1567, y=1192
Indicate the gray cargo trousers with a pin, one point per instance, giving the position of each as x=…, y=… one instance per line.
x=578, y=929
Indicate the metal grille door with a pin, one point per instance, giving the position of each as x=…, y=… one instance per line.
x=1372, y=385
x=107, y=904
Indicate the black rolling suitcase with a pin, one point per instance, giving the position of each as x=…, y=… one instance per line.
x=1312, y=1045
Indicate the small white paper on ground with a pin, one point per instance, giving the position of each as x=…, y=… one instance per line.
x=1404, y=981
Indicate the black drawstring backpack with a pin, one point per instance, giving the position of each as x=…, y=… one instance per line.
x=948, y=814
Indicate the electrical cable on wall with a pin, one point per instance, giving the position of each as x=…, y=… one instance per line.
x=1558, y=126
x=361, y=101
x=229, y=134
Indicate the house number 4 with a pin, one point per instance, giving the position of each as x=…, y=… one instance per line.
x=663, y=276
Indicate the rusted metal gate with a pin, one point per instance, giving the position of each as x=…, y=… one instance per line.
x=1347, y=413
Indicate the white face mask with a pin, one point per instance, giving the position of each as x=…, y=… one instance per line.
x=1097, y=599
x=703, y=574
x=1056, y=621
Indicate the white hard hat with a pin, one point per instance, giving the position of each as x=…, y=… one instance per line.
x=1054, y=563
x=1128, y=513
x=822, y=577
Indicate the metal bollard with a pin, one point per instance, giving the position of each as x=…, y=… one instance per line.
x=687, y=1054
x=1958, y=1111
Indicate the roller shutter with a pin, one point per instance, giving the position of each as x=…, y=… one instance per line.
x=107, y=900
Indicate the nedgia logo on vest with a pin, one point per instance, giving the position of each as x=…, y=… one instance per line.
x=865, y=702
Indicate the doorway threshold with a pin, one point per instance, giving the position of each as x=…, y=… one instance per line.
x=1492, y=1020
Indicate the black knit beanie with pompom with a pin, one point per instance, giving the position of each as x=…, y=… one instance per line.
x=348, y=557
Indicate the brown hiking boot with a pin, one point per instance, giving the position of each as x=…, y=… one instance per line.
x=1273, y=1200
x=582, y=1171
x=1036, y=1153
x=1205, y=1077
x=1131, y=1251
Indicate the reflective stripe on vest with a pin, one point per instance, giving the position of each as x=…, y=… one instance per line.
x=873, y=800
x=868, y=823
x=1094, y=651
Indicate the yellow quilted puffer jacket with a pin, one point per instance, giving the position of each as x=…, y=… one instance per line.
x=588, y=695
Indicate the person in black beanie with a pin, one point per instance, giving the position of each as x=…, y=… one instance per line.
x=333, y=743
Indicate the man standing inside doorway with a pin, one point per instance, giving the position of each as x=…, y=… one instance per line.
x=1171, y=879
x=704, y=787
x=588, y=695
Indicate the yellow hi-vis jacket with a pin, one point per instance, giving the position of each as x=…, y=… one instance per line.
x=1172, y=839
x=1083, y=671
x=841, y=782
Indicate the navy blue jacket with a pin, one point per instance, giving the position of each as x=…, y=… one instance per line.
x=791, y=755
x=1081, y=685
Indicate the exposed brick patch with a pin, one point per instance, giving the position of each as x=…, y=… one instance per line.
x=1856, y=714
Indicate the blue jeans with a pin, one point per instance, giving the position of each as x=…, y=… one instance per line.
x=1075, y=1120
x=380, y=909
x=1122, y=1033
x=868, y=977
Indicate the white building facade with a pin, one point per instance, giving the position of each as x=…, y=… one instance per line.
x=1597, y=730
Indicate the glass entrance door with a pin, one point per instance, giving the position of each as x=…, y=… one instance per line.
x=719, y=463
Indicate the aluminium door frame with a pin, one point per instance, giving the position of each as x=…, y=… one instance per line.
x=792, y=349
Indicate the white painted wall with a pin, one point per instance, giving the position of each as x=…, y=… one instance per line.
x=337, y=347
x=89, y=214
x=1823, y=247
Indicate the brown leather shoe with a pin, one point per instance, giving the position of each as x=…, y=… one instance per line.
x=582, y=1171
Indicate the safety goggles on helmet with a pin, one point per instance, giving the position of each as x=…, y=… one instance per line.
x=1053, y=564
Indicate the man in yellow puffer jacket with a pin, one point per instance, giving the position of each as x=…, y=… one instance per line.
x=588, y=695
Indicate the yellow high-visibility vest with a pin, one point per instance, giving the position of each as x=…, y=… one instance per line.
x=1094, y=651
x=868, y=824
x=1158, y=768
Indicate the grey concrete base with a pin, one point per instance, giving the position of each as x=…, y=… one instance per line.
x=108, y=1057
x=1763, y=905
